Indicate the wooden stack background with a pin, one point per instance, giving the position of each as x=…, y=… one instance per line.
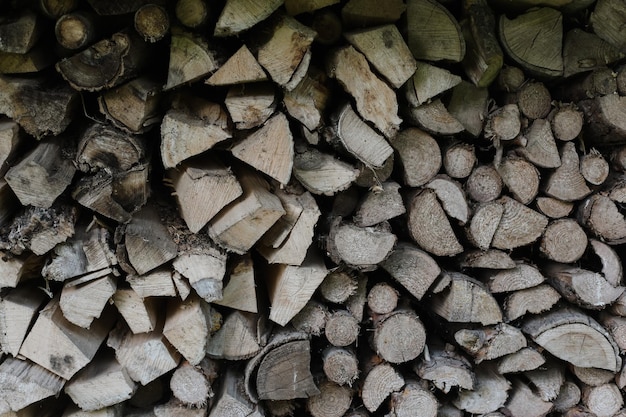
x=322, y=207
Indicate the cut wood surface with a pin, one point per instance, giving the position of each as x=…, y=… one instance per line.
x=343, y=208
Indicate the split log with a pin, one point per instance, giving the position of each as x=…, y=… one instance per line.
x=332, y=401
x=540, y=148
x=594, y=168
x=553, y=207
x=583, y=51
x=566, y=182
x=452, y=198
x=190, y=59
x=352, y=71
x=365, y=12
x=145, y=356
x=244, y=221
x=241, y=336
x=518, y=226
x=188, y=131
x=466, y=301
x=379, y=205
x=374, y=244
x=251, y=105
x=133, y=105
x=526, y=359
x=308, y=100
x=434, y=118
x=18, y=310
x=574, y=337
x=524, y=402
x=338, y=286
x=311, y=319
x=241, y=68
x=25, y=383
x=566, y=122
x=446, y=369
x=386, y=50
x=240, y=290
x=101, y=384
x=484, y=223
x=533, y=300
x=592, y=376
x=360, y=140
x=544, y=58
x=489, y=394
x=413, y=145
x=547, y=380
x=231, y=400
x=605, y=20
x=291, y=286
x=611, y=264
x=83, y=303
x=103, y=146
x=140, y=315
x=468, y=105
x=42, y=175
x=157, y=283
x=286, y=55
x=459, y=159
x=600, y=216
x=412, y=267
x=569, y=396
x=188, y=327
x=240, y=15
x=443, y=29
x=489, y=343
x=16, y=269
x=521, y=277
x=504, y=123
x=202, y=189
x=105, y=64
x=70, y=348
x=321, y=173
x=604, y=117
x=20, y=32
x=438, y=237
x=427, y=82
x=381, y=380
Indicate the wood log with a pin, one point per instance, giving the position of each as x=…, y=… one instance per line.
x=386, y=50
x=415, y=269
x=524, y=402
x=459, y=159
x=145, y=356
x=37, y=230
x=443, y=30
x=139, y=314
x=365, y=12
x=489, y=343
x=487, y=259
x=399, y=336
x=309, y=99
x=569, y=396
x=369, y=211
x=360, y=140
x=340, y=365
x=489, y=394
x=231, y=400
x=533, y=300
x=250, y=105
x=239, y=15
x=604, y=118
x=341, y=329
x=311, y=319
x=20, y=32
x=157, y=283
x=191, y=130
x=240, y=336
x=105, y=64
x=133, y=105
x=190, y=59
x=560, y=329
x=519, y=225
x=18, y=310
x=564, y=241
x=103, y=146
x=438, y=238
x=188, y=327
x=611, y=264
x=411, y=144
x=453, y=304
x=175, y=408
x=446, y=369
x=241, y=68
x=332, y=401
x=374, y=244
x=192, y=385
x=483, y=224
x=70, y=348
x=592, y=376
x=291, y=286
x=192, y=13
x=566, y=122
x=544, y=58
x=484, y=184
x=413, y=397
x=239, y=292
x=594, y=168
x=600, y=216
x=338, y=286
x=604, y=400
x=434, y=118
x=381, y=380
x=540, y=148
x=81, y=303
x=553, y=207
x=76, y=30
x=525, y=359
x=245, y=220
x=101, y=384
x=203, y=188
x=352, y=71
x=322, y=173
x=285, y=55
x=427, y=82
x=16, y=269
x=42, y=175
x=26, y=383
x=152, y=22
x=520, y=177
x=382, y=299
x=611, y=16
x=582, y=287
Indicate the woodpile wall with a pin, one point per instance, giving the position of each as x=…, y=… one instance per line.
x=323, y=207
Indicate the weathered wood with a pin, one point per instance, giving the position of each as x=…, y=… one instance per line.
x=76, y=30
x=540, y=148
x=564, y=241
x=145, y=356
x=412, y=398
x=101, y=384
x=412, y=267
x=140, y=315
x=381, y=380
x=340, y=365
x=434, y=34
x=594, y=168
x=242, y=67
x=524, y=402
x=446, y=369
x=321, y=173
x=311, y=319
x=231, y=400
x=190, y=59
x=133, y=105
x=399, y=336
x=434, y=118
x=489, y=394
x=534, y=300
x=352, y=71
x=25, y=383
x=427, y=82
x=413, y=145
x=341, y=329
x=70, y=348
x=459, y=159
x=240, y=15
x=569, y=396
x=332, y=401
x=484, y=184
x=604, y=400
x=484, y=223
x=525, y=359
x=240, y=290
x=503, y=123
x=16, y=269
x=191, y=386
x=382, y=298
x=251, y=105
x=606, y=21
x=241, y=336
x=574, y=337
x=83, y=303
x=309, y=99
x=18, y=310
x=489, y=343
x=566, y=122
x=152, y=22
x=604, y=117
x=600, y=216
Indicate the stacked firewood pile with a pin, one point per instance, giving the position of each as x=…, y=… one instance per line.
x=322, y=207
